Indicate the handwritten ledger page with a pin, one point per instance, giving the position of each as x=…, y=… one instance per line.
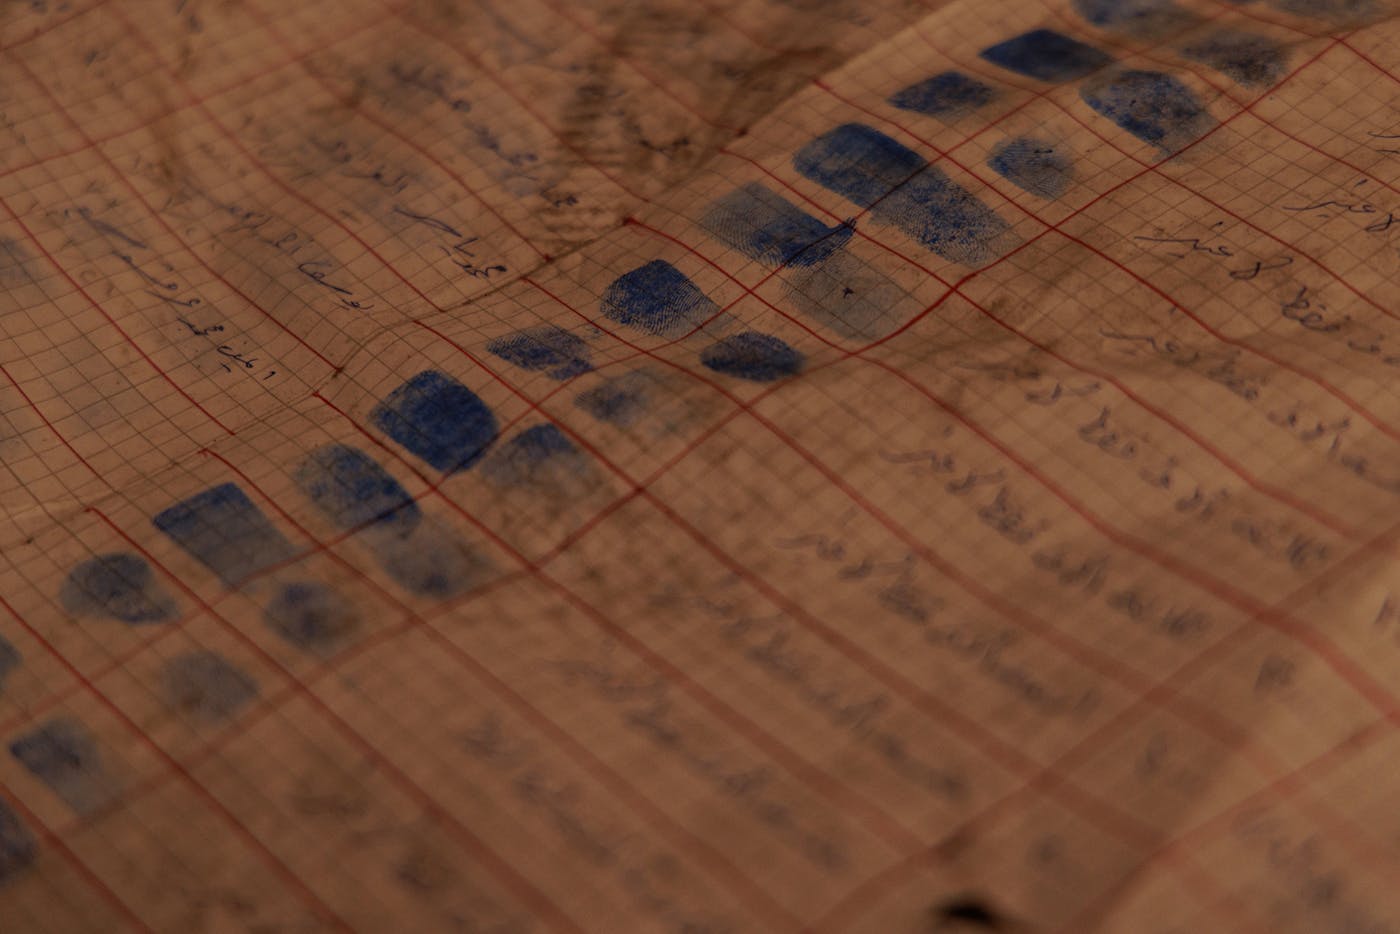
x=847, y=466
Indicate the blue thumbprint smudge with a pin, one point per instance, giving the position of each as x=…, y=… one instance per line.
x=1154, y=107
x=547, y=349
x=9, y=660
x=118, y=585
x=17, y=848
x=222, y=529
x=63, y=755
x=657, y=298
x=1245, y=58
x=1136, y=17
x=1047, y=55
x=947, y=96
x=901, y=189
x=1033, y=166
x=430, y=560
x=767, y=227
x=352, y=490
x=204, y=686
x=621, y=401
x=438, y=419
x=311, y=616
x=754, y=356
x=538, y=453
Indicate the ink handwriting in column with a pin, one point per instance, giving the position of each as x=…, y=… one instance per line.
x=1218, y=366
x=1327, y=208
x=1391, y=141
x=1181, y=247
x=985, y=646
x=648, y=709
x=996, y=504
x=653, y=878
x=448, y=89
x=160, y=280
x=352, y=165
x=313, y=263
x=456, y=245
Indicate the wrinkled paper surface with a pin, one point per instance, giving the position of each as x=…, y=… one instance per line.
x=845, y=466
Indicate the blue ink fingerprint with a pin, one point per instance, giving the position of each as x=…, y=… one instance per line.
x=1136, y=17
x=1033, y=165
x=430, y=560
x=657, y=298
x=849, y=296
x=438, y=419
x=537, y=454
x=352, y=490
x=63, y=755
x=545, y=349
x=17, y=848
x=948, y=95
x=901, y=189
x=311, y=616
x=117, y=585
x=204, y=686
x=754, y=356
x=767, y=227
x=9, y=660
x=1245, y=58
x=223, y=530
x=1154, y=107
x=1047, y=55
x=621, y=401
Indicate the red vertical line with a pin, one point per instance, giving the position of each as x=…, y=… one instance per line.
x=162, y=222
x=1156, y=167
x=49, y=425
x=883, y=826
x=1176, y=848
x=89, y=877
x=758, y=900
x=522, y=102
x=266, y=706
x=1377, y=695
x=30, y=713
x=170, y=112
x=611, y=48
x=239, y=829
x=110, y=320
x=505, y=871
x=386, y=127
x=955, y=287
x=1321, y=383
x=1197, y=713
x=889, y=678
x=1095, y=741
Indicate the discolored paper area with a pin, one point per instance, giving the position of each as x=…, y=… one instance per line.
x=749, y=465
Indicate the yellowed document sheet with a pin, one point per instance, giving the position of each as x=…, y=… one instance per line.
x=838, y=466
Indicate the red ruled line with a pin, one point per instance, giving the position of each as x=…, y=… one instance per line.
x=279, y=868
x=638, y=489
x=85, y=872
x=38, y=245
x=528, y=893
x=126, y=183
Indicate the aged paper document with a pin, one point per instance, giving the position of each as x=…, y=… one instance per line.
x=838, y=466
